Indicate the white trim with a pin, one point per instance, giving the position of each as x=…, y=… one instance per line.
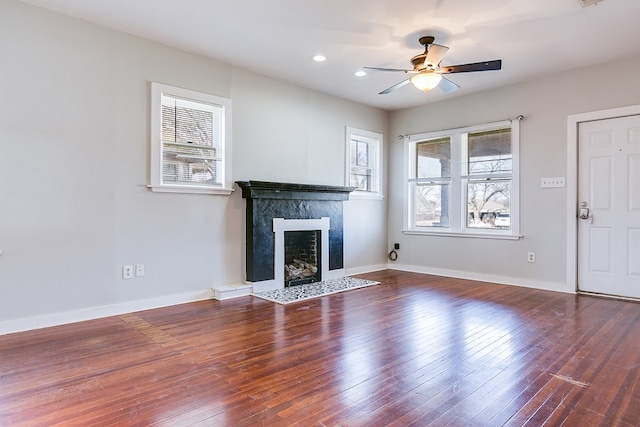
x=364, y=195
x=266, y=285
x=573, y=121
x=480, y=277
x=55, y=319
x=280, y=225
x=226, y=184
x=365, y=269
x=375, y=140
x=469, y=234
x=225, y=292
x=515, y=179
x=338, y=273
x=407, y=205
x=458, y=183
x=192, y=190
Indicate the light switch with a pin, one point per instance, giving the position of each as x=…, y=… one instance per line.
x=553, y=182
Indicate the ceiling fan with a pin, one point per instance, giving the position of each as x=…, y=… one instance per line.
x=428, y=72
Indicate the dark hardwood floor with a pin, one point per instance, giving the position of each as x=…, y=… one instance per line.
x=416, y=350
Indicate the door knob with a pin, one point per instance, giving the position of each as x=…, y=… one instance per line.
x=584, y=212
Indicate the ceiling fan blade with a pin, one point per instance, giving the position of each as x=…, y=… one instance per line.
x=434, y=55
x=394, y=87
x=476, y=66
x=388, y=69
x=447, y=85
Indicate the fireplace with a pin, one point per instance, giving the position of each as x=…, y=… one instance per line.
x=273, y=210
x=302, y=257
x=300, y=227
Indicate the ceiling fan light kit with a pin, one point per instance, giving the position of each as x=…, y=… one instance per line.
x=426, y=81
x=427, y=70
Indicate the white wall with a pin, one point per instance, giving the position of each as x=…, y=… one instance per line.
x=545, y=103
x=74, y=111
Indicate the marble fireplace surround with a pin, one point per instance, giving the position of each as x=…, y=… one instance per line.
x=294, y=207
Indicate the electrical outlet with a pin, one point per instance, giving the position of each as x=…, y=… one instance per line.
x=127, y=271
x=139, y=270
x=553, y=182
x=531, y=257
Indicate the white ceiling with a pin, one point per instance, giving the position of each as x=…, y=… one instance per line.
x=277, y=38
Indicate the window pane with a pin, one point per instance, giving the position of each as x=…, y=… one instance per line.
x=490, y=152
x=489, y=204
x=183, y=121
x=361, y=178
x=188, y=164
x=433, y=158
x=359, y=153
x=432, y=205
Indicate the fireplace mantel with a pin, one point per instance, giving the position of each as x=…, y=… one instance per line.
x=268, y=200
x=288, y=191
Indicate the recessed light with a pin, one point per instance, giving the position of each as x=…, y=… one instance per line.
x=319, y=58
x=360, y=73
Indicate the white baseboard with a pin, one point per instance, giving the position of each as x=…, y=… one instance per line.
x=265, y=285
x=481, y=277
x=365, y=269
x=55, y=319
x=233, y=291
x=222, y=293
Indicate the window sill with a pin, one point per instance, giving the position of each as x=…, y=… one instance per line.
x=362, y=195
x=190, y=190
x=468, y=235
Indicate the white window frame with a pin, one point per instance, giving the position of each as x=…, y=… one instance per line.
x=225, y=187
x=375, y=141
x=458, y=197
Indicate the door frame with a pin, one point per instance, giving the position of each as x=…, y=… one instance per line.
x=573, y=121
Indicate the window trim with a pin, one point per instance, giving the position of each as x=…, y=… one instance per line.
x=377, y=141
x=458, y=227
x=156, y=184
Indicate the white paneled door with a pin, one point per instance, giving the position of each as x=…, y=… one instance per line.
x=609, y=206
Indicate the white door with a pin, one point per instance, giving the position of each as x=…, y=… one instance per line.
x=609, y=193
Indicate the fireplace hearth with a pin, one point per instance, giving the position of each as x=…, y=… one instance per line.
x=274, y=210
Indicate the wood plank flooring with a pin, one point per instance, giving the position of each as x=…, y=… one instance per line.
x=417, y=350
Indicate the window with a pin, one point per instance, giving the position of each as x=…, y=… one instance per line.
x=464, y=181
x=364, y=171
x=190, y=141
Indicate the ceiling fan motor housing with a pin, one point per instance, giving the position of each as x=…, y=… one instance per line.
x=426, y=40
x=418, y=62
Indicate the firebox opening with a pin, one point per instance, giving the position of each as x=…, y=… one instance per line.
x=302, y=257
